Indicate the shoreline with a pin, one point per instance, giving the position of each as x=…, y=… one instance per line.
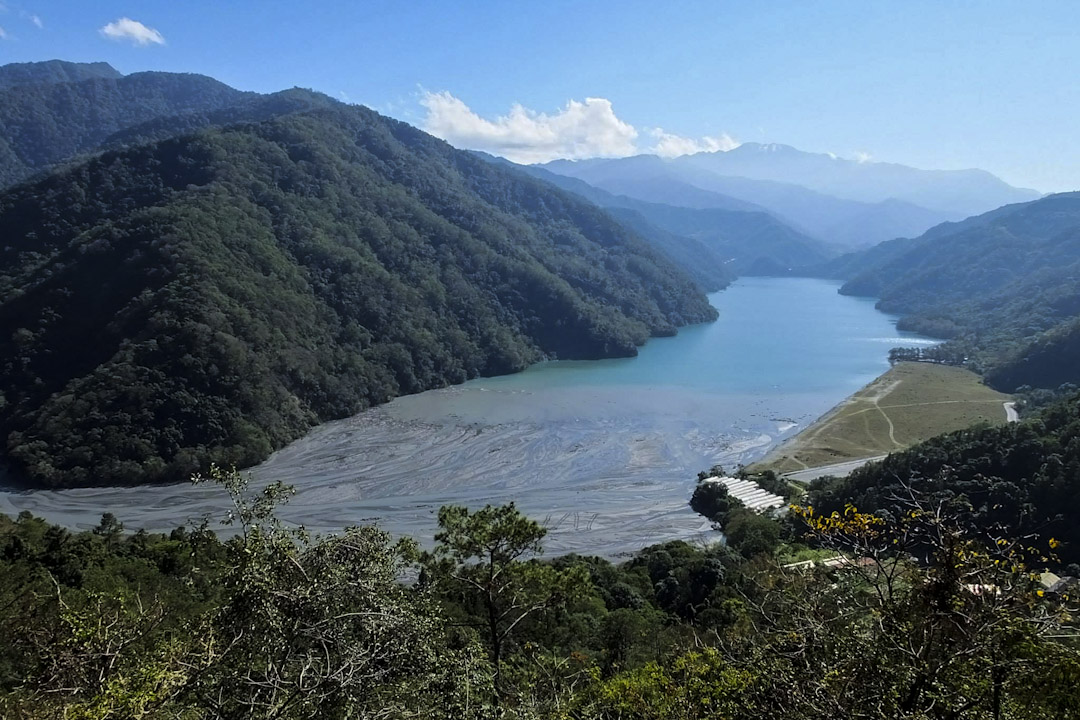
x=602, y=452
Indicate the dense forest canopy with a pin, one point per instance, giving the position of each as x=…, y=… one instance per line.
x=49, y=121
x=211, y=296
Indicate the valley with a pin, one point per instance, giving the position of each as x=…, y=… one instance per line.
x=390, y=370
x=604, y=451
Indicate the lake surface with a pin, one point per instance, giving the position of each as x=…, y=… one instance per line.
x=606, y=452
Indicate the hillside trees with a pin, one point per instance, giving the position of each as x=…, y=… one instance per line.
x=228, y=290
x=486, y=558
x=1024, y=476
x=295, y=628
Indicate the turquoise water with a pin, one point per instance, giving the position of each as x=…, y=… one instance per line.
x=603, y=452
x=773, y=335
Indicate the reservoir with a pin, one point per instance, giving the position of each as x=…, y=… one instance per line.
x=604, y=453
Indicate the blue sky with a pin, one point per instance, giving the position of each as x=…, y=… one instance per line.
x=955, y=84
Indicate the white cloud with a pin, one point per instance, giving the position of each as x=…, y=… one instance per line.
x=36, y=20
x=863, y=157
x=3, y=34
x=579, y=130
x=133, y=31
x=671, y=145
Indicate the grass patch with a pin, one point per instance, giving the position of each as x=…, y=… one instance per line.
x=910, y=403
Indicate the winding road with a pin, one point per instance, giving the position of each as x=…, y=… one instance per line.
x=846, y=468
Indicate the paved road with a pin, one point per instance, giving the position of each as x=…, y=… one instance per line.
x=837, y=470
x=1010, y=412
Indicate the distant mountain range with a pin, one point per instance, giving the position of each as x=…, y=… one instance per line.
x=839, y=202
x=713, y=244
x=956, y=192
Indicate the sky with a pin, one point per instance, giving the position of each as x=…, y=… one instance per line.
x=950, y=85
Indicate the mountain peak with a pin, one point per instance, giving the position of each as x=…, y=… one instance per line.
x=751, y=147
x=954, y=192
x=49, y=72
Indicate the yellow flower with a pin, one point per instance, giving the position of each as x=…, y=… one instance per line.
x=1054, y=544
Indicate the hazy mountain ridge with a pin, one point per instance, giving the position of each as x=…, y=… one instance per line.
x=959, y=192
x=746, y=241
x=840, y=222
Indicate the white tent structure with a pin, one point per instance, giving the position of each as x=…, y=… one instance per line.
x=750, y=493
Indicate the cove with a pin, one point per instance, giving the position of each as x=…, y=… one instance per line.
x=605, y=453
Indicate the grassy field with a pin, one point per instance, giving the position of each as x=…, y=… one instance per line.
x=908, y=404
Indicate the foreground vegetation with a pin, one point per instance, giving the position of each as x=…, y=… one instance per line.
x=910, y=403
x=273, y=623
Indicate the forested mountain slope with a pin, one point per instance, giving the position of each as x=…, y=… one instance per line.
x=976, y=257
x=48, y=121
x=210, y=297
x=1005, y=284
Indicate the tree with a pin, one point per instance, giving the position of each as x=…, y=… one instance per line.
x=316, y=628
x=489, y=556
x=751, y=533
x=109, y=528
x=713, y=500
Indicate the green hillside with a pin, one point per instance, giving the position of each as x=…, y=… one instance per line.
x=47, y=119
x=1023, y=476
x=211, y=297
x=1004, y=287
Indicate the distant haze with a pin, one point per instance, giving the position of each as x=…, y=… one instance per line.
x=842, y=202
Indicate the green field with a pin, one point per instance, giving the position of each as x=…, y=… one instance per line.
x=910, y=403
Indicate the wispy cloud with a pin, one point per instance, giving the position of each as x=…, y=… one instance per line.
x=581, y=129
x=133, y=31
x=35, y=19
x=671, y=145
x=3, y=34
x=863, y=157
